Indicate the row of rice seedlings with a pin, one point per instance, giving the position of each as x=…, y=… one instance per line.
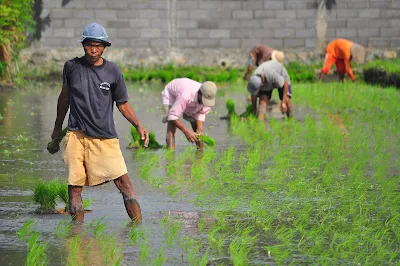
x=36, y=246
x=309, y=187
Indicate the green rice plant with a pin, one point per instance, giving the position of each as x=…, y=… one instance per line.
x=63, y=228
x=138, y=142
x=45, y=194
x=230, y=105
x=74, y=246
x=98, y=226
x=170, y=234
x=160, y=258
x=26, y=230
x=248, y=112
x=144, y=251
x=36, y=247
x=206, y=139
x=136, y=234
x=241, y=245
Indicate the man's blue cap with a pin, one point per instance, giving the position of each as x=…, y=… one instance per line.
x=95, y=32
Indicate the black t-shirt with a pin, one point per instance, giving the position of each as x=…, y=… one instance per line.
x=92, y=93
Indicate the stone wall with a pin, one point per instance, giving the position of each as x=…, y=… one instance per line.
x=189, y=26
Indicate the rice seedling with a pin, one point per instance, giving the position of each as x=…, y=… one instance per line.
x=170, y=234
x=248, y=112
x=230, y=105
x=160, y=258
x=144, y=252
x=206, y=139
x=136, y=234
x=137, y=142
x=36, y=247
x=45, y=194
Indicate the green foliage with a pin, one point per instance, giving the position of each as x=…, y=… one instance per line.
x=230, y=105
x=45, y=194
x=137, y=142
x=248, y=112
x=207, y=140
x=36, y=247
x=199, y=73
x=16, y=21
x=388, y=65
x=300, y=72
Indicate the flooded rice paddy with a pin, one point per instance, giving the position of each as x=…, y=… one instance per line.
x=322, y=188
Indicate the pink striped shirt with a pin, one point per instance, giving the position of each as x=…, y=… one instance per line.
x=181, y=95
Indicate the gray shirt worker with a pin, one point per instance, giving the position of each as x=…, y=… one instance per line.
x=93, y=91
x=275, y=75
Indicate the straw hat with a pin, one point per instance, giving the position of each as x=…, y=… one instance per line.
x=278, y=56
x=358, y=53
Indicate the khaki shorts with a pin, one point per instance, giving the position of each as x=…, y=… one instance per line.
x=92, y=161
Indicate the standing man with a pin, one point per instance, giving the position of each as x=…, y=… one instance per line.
x=266, y=78
x=262, y=53
x=91, y=85
x=193, y=100
x=341, y=52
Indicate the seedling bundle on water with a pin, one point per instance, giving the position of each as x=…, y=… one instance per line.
x=230, y=105
x=46, y=194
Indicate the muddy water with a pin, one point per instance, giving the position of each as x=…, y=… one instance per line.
x=25, y=126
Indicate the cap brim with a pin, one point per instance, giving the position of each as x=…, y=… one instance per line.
x=95, y=40
x=207, y=102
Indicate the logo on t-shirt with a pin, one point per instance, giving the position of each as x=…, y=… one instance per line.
x=105, y=86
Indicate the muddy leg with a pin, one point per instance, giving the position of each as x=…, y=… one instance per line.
x=75, y=203
x=132, y=207
x=171, y=129
x=289, y=112
x=262, y=107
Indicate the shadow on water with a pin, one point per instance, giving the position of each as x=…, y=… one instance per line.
x=26, y=122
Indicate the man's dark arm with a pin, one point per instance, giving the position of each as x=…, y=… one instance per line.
x=62, y=109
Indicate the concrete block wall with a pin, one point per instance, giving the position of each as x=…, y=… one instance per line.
x=230, y=24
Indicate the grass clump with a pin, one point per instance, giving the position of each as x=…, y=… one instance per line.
x=137, y=142
x=46, y=195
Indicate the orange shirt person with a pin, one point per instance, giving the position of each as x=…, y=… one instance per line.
x=341, y=52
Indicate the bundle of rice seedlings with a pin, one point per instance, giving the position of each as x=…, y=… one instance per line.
x=248, y=112
x=54, y=145
x=230, y=105
x=45, y=194
x=137, y=142
x=207, y=140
